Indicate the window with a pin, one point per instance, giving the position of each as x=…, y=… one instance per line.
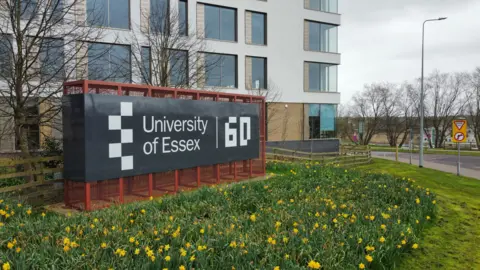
x=28, y=8
x=322, y=5
x=259, y=33
x=109, y=62
x=183, y=17
x=321, y=77
x=109, y=13
x=220, y=23
x=221, y=70
x=57, y=10
x=259, y=72
x=178, y=67
x=322, y=37
x=146, y=65
x=6, y=52
x=51, y=58
x=321, y=120
x=31, y=125
x=159, y=16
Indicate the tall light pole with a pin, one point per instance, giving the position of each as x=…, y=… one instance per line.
x=420, y=162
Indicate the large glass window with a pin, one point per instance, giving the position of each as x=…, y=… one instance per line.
x=220, y=23
x=109, y=62
x=6, y=53
x=51, y=58
x=323, y=5
x=183, y=17
x=146, y=65
x=259, y=73
x=321, y=120
x=322, y=77
x=28, y=8
x=178, y=67
x=109, y=13
x=159, y=16
x=259, y=33
x=57, y=10
x=322, y=37
x=221, y=70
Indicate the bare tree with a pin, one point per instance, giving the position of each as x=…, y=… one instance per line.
x=444, y=101
x=472, y=109
x=171, y=51
x=393, y=120
x=42, y=44
x=367, y=108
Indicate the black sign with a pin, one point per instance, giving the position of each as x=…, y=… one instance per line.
x=108, y=137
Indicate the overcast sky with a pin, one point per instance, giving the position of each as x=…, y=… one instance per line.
x=380, y=40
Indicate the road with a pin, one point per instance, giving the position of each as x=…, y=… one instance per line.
x=470, y=164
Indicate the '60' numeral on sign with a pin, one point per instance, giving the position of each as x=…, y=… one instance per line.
x=231, y=133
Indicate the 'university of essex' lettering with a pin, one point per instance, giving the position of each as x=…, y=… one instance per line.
x=166, y=125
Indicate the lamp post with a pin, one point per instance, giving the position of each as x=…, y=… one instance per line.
x=420, y=159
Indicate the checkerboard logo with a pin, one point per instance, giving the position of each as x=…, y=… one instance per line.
x=126, y=136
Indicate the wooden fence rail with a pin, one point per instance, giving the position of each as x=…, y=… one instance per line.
x=347, y=156
x=13, y=170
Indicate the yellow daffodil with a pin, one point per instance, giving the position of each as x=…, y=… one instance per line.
x=314, y=265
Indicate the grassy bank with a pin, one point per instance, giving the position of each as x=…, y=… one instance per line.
x=307, y=217
x=454, y=241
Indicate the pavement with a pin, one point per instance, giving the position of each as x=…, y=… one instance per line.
x=469, y=165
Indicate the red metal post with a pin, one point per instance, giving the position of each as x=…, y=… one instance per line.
x=250, y=169
x=150, y=185
x=198, y=176
x=235, y=170
x=88, y=201
x=120, y=187
x=175, y=189
x=150, y=176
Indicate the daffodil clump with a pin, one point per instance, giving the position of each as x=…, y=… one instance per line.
x=302, y=217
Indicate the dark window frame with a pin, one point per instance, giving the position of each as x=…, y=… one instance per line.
x=130, y=80
x=265, y=72
x=108, y=21
x=149, y=63
x=320, y=91
x=187, y=67
x=219, y=25
x=167, y=21
x=236, y=69
x=265, y=27
x=320, y=9
x=186, y=16
x=315, y=132
x=318, y=22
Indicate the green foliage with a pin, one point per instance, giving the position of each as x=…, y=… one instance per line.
x=453, y=242
x=52, y=147
x=303, y=213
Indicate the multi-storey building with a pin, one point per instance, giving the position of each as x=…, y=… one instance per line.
x=286, y=50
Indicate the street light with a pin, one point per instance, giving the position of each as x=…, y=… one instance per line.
x=420, y=162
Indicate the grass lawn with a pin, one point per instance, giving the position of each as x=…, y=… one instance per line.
x=454, y=241
x=427, y=151
x=305, y=216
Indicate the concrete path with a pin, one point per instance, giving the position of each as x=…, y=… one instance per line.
x=446, y=163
